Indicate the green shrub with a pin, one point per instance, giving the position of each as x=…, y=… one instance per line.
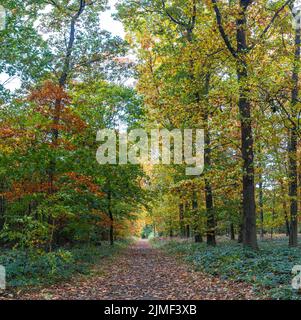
x=35, y=267
x=270, y=268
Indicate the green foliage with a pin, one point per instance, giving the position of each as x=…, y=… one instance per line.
x=268, y=270
x=36, y=268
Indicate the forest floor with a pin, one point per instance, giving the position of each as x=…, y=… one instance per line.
x=142, y=272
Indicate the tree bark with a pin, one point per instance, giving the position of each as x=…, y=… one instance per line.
x=292, y=146
x=62, y=83
x=261, y=207
x=197, y=234
x=187, y=231
x=211, y=240
x=181, y=218
x=240, y=55
x=249, y=208
x=293, y=236
x=2, y=212
x=111, y=232
x=241, y=225
x=284, y=205
x=232, y=231
x=210, y=233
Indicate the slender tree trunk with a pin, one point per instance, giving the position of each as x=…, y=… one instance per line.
x=187, y=231
x=240, y=233
x=261, y=207
x=111, y=232
x=207, y=163
x=241, y=225
x=197, y=234
x=273, y=212
x=62, y=84
x=287, y=223
x=293, y=236
x=292, y=146
x=187, y=226
x=51, y=236
x=181, y=218
x=2, y=212
x=210, y=215
x=232, y=231
x=211, y=240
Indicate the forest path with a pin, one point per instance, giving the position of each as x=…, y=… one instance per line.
x=144, y=273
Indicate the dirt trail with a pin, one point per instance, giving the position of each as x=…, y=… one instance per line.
x=145, y=273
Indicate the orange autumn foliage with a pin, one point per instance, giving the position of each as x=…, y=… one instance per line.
x=24, y=188
x=79, y=181
x=48, y=93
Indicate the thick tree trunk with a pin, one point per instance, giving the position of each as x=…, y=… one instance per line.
x=249, y=208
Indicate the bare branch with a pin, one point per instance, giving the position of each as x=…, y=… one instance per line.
x=222, y=30
x=267, y=28
x=178, y=22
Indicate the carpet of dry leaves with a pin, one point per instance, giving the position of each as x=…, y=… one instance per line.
x=143, y=273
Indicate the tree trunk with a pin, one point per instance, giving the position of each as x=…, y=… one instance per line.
x=292, y=146
x=2, y=212
x=261, y=207
x=273, y=212
x=207, y=150
x=197, y=235
x=240, y=233
x=293, y=236
x=232, y=231
x=210, y=215
x=207, y=164
x=111, y=233
x=181, y=218
x=287, y=224
x=187, y=231
x=249, y=208
x=62, y=83
x=241, y=225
